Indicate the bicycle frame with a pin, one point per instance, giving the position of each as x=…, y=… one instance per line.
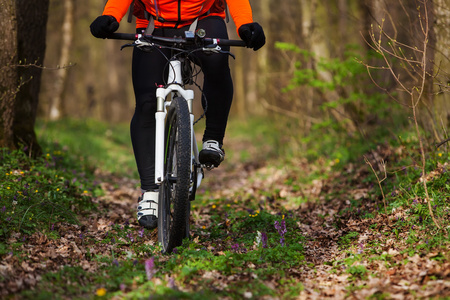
x=163, y=98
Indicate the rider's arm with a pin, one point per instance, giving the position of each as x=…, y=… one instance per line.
x=240, y=11
x=117, y=8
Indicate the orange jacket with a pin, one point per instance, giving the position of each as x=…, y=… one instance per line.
x=178, y=13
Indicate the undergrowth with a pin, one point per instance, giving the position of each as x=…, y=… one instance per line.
x=93, y=143
x=242, y=242
x=37, y=193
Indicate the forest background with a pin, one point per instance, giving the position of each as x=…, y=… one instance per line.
x=343, y=93
x=312, y=70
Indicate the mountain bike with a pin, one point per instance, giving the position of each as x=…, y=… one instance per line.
x=178, y=172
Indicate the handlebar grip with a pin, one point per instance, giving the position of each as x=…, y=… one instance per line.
x=235, y=43
x=122, y=36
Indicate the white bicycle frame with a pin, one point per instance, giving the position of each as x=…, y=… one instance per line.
x=174, y=87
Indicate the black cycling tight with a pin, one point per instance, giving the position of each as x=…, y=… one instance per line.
x=148, y=72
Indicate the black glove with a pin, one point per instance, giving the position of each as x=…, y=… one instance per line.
x=104, y=26
x=253, y=35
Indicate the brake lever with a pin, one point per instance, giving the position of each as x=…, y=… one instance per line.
x=142, y=44
x=214, y=48
x=127, y=45
x=229, y=53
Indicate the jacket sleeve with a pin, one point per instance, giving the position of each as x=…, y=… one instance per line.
x=117, y=8
x=240, y=11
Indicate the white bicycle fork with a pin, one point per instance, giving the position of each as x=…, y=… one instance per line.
x=175, y=79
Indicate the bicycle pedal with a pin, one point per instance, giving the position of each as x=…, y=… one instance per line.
x=209, y=167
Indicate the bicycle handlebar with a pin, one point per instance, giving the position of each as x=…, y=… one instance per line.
x=177, y=40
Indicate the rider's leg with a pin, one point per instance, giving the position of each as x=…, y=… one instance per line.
x=218, y=92
x=142, y=127
x=147, y=70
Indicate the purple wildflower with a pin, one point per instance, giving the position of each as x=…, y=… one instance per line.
x=393, y=193
x=264, y=239
x=130, y=237
x=235, y=247
x=175, y=250
x=115, y=262
x=3, y=209
x=281, y=228
x=141, y=233
x=361, y=248
x=150, y=268
x=171, y=283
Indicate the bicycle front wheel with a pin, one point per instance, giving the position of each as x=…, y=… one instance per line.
x=174, y=204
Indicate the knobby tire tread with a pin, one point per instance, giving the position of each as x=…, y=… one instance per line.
x=178, y=122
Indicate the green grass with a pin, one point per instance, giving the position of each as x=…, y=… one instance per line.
x=95, y=144
x=195, y=265
x=37, y=193
x=59, y=187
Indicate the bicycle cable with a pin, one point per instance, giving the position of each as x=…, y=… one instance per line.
x=188, y=54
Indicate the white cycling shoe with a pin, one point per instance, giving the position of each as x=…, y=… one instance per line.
x=212, y=154
x=147, y=212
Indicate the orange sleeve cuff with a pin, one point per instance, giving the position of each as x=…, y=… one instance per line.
x=240, y=11
x=117, y=8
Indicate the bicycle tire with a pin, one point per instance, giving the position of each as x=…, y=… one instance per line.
x=174, y=204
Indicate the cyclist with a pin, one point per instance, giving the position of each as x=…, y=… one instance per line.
x=172, y=18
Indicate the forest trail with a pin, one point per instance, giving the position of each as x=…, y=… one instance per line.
x=333, y=235
x=326, y=271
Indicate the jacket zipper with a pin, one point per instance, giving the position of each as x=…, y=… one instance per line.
x=179, y=14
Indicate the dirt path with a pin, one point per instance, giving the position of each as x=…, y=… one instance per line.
x=327, y=273
x=330, y=271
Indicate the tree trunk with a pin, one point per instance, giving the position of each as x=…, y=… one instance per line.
x=262, y=57
x=22, y=42
x=31, y=29
x=56, y=105
x=8, y=79
x=442, y=32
